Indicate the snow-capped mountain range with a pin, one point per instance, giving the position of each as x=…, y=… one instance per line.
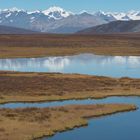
x=131, y=15
x=58, y=20
x=56, y=13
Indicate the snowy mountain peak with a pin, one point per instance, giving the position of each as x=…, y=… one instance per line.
x=132, y=12
x=34, y=12
x=54, y=9
x=83, y=11
x=100, y=13
x=56, y=13
x=14, y=9
x=131, y=15
x=119, y=16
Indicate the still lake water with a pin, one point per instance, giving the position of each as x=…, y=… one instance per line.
x=115, y=66
x=122, y=126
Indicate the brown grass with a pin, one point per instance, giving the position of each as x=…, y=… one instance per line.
x=31, y=123
x=50, y=45
x=35, y=87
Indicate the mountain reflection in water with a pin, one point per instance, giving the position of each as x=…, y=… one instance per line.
x=116, y=66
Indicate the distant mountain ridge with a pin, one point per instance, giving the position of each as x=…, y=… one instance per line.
x=58, y=20
x=132, y=26
x=131, y=15
x=14, y=30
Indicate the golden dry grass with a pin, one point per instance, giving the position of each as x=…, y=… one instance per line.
x=36, y=87
x=56, y=45
x=31, y=123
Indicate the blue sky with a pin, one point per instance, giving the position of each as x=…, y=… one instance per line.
x=74, y=5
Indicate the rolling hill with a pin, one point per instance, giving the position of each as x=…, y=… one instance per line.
x=132, y=26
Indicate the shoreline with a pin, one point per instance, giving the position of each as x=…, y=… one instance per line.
x=68, y=55
x=64, y=54
x=61, y=100
x=86, y=123
x=38, y=122
x=48, y=87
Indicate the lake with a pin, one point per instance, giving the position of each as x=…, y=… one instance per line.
x=122, y=126
x=115, y=66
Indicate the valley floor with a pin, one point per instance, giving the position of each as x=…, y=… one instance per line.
x=13, y=46
x=41, y=87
